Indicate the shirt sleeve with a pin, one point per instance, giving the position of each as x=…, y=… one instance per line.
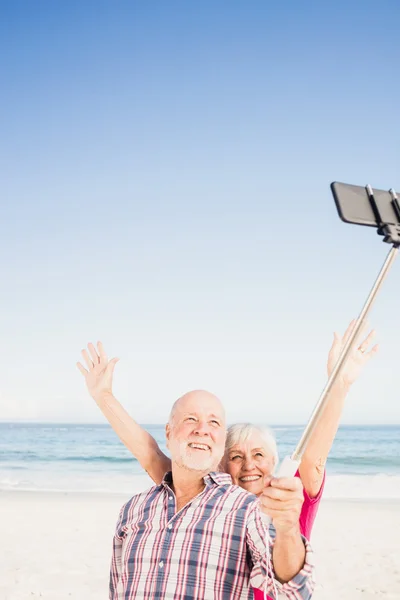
x=309, y=509
x=116, y=559
x=260, y=542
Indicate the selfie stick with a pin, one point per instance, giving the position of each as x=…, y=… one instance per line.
x=391, y=231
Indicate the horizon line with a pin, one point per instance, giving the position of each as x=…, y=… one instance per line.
x=102, y=424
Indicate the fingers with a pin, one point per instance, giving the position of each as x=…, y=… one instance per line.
x=82, y=369
x=93, y=354
x=348, y=331
x=338, y=340
x=280, y=503
x=284, y=489
x=368, y=340
x=111, y=365
x=282, y=496
x=374, y=350
x=286, y=483
x=102, y=354
x=97, y=357
x=87, y=359
x=365, y=343
x=351, y=327
x=271, y=504
x=94, y=357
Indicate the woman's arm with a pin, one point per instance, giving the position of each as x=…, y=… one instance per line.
x=312, y=466
x=140, y=443
x=313, y=462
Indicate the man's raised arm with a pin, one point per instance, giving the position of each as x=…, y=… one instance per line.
x=98, y=376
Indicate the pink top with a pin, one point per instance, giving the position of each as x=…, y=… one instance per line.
x=307, y=517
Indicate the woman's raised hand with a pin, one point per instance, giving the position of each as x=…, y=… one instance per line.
x=358, y=357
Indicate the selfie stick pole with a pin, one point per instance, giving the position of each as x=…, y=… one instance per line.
x=291, y=463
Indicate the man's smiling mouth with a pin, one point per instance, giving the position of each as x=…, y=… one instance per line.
x=199, y=446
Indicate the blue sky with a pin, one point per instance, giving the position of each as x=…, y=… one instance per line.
x=165, y=188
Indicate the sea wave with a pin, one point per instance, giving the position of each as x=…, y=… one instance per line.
x=365, y=461
x=43, y=458
x=346, y=465
x=75, y=484
x=337, y=487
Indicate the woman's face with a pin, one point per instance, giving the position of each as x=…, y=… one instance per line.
x=247, y=463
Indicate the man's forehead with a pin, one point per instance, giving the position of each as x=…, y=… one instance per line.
x=199, y=403
x=201, y=412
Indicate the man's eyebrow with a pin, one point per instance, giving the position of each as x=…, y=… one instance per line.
x=194, y=414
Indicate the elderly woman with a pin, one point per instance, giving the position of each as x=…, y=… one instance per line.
x=250, y=453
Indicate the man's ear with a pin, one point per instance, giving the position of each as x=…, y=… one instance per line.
x=167, y=431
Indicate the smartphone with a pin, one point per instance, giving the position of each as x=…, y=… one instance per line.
x=354, y=206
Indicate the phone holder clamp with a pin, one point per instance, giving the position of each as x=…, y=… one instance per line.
x=390, y=231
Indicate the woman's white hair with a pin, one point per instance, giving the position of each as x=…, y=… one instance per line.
x=241, y=432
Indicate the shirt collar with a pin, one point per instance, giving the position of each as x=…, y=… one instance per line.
x=216, y=477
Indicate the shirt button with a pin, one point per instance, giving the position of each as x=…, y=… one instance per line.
x=161, y=564
x=169, y=526
x=170, y=497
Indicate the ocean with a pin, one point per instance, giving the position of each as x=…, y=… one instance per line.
x=364, y=461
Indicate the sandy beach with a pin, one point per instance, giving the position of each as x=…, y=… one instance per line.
x=58, y=546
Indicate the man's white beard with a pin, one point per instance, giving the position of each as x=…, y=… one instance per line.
x=193, y=459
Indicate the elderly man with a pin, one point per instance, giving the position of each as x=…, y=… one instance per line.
x=197, y=536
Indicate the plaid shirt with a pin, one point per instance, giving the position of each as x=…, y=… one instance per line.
x=213, y=548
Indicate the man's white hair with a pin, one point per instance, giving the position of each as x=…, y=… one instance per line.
x=241, y=432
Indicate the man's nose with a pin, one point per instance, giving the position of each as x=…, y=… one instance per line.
x=202, y=428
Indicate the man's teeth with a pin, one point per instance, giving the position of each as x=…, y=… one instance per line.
x=250, y=478
x=200, y=446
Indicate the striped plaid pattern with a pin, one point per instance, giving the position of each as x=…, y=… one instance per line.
x=213, y=548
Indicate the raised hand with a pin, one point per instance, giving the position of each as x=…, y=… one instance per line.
x=99, y=372
x=358, y=357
